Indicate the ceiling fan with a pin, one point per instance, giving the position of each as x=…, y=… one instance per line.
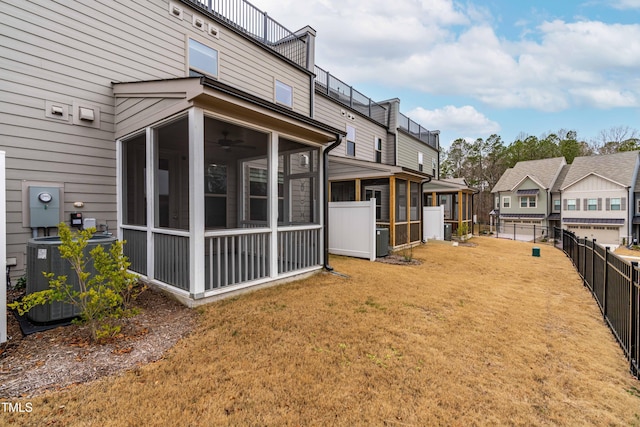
x=227, y=143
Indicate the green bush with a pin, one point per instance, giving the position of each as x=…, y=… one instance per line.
x=101, y=297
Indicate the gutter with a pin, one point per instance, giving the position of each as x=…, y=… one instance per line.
x=325, y=171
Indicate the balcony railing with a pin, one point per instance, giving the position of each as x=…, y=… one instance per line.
x=248, y=19
x=347, y=95
x=416, y=130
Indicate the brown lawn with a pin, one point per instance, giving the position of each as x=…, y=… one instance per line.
x=484, y=335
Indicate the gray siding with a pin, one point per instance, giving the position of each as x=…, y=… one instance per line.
x=70, y=53
x=330, y=112
x=408, y=148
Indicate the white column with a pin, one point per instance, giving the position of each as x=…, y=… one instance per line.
x=196, y=202
x=273, y=204
x=151, y=200
x=3, y=251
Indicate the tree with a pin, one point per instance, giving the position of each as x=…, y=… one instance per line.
x=615, y=139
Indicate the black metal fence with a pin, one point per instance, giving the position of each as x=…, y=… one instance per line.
x=521, y=232
x=614, y=283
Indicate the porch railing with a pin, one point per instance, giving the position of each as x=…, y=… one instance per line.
x=298, y=248
x=171, y=259
x=418, y=131
x=135, y=249
x=615, y=285
x=248, y=19
x=347, y=95
x=236, y=258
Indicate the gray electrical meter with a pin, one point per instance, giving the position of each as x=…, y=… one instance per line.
x=44, y=206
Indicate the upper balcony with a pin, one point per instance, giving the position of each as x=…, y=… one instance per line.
x=251, y=21
x=347, y=95
x=416, y=130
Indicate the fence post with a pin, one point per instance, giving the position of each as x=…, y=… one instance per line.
x=593, y=263
x=514, y=231
x=634, y=337
x=606, y=279
x=534, y=233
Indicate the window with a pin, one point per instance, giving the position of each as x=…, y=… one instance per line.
x=378, y=142
x=528, y=202
x=506, y=202
x=615, y=204
x=284, y=94
x=556, y=205
x=203, y=60
x=344, y=191
x=351, y=141
x=592, y=204
x=414, y=192
x=497, y=205
x=401, y=200
x=134, y=168
x=215, y=196
x=420, y=161
x=571, y=204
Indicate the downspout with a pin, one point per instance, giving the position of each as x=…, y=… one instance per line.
x=325, y=171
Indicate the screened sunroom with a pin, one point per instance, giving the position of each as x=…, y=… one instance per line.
x=213, y=202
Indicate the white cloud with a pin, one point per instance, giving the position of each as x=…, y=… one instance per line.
x=465, y=120
x=442, y=48
x=626, y=4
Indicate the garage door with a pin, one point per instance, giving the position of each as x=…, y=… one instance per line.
x=603, y=235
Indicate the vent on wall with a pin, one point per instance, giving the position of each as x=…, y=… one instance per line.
x=214, y=31
x=175, y=10
x=198, y=23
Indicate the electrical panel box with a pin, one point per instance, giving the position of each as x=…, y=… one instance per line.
x=44, y=206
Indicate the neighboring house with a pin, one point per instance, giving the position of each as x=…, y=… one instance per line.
x=198, y=132
x=457, y=198
x=385, y=156
x=522, y=195
x=190, y=136
x=596, y=195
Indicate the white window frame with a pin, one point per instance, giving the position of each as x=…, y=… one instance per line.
x=612, y=204
x=592, y=206
x=420, y=161
x=506, y=202
x=216, y=58
x=557, y=205
x=531, y=201
x=351, y=140
x=377, y=141
x=572, y=203
x=281, y=88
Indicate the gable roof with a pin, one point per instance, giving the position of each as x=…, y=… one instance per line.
x=542, y=171
x=616, y=167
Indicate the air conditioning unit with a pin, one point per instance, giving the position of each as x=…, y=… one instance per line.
x=43, y=255
x=382, y=242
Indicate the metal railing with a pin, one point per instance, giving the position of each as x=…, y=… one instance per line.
x=521, y=232
x=614, y=284
x=416, y=130
x=347, y=95
x=248, y=19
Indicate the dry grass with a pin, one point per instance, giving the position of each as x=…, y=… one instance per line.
x=484, y=335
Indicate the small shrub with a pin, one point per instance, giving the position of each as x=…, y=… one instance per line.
x=101, y=297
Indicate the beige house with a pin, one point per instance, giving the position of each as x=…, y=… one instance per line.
x=385, y=156
x=201, y=133
x=184, y=132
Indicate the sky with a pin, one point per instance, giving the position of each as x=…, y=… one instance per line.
x=480, y=67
